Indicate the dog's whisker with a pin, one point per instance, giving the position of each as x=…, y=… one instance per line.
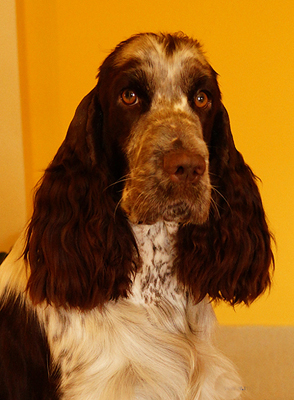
x=221, y=195
x=119, y=181
x=215, y=206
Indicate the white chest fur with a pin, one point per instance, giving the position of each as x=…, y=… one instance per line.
x=156, y=283
x=153, y=346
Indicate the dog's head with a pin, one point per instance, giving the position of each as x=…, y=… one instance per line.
x=159, y=97
x=152, y=141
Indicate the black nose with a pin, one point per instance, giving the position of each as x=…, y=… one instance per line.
x=183, y=166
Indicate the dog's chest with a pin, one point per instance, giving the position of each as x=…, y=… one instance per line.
x=100, y=354
x=156, y=281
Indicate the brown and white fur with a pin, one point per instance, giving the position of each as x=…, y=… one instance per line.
x=145, y=215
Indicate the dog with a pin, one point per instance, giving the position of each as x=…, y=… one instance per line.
x=146, y=215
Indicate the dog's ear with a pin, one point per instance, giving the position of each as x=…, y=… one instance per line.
x=229, y=257
x=79, y=243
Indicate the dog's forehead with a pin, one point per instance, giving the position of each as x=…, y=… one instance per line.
x=161, y=53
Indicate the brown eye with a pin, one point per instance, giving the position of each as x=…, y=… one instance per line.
x=202, y=100
x=129, y=97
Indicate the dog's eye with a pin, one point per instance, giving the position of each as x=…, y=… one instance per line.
x=129, y=97
x=202, y=100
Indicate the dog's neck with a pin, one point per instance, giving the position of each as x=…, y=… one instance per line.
x=155, y=282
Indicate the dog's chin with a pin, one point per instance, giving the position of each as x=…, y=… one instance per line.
x=180, y=212
x=184, y=213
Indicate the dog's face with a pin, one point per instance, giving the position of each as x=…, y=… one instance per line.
x=159, y=97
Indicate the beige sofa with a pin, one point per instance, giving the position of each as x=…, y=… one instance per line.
x=264, y=357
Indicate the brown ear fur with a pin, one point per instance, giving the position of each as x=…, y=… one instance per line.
x=228, y=257
x=79, y=244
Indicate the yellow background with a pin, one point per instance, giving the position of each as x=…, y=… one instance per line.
x=248, y=42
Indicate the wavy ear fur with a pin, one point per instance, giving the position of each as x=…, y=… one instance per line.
x=229, y=257
x=79, y=247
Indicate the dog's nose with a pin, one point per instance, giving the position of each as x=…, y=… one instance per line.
x=183, y=166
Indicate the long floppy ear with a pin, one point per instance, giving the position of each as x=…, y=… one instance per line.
x=79, y=244
x=229, y=257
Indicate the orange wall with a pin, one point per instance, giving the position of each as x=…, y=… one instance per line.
x=249, y=43
x=12, y=184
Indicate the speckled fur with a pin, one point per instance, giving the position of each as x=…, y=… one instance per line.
x=156, y=282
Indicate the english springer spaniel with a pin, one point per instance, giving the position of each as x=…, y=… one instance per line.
x=146, y=214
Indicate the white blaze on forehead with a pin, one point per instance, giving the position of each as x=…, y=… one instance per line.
x=182, y=104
